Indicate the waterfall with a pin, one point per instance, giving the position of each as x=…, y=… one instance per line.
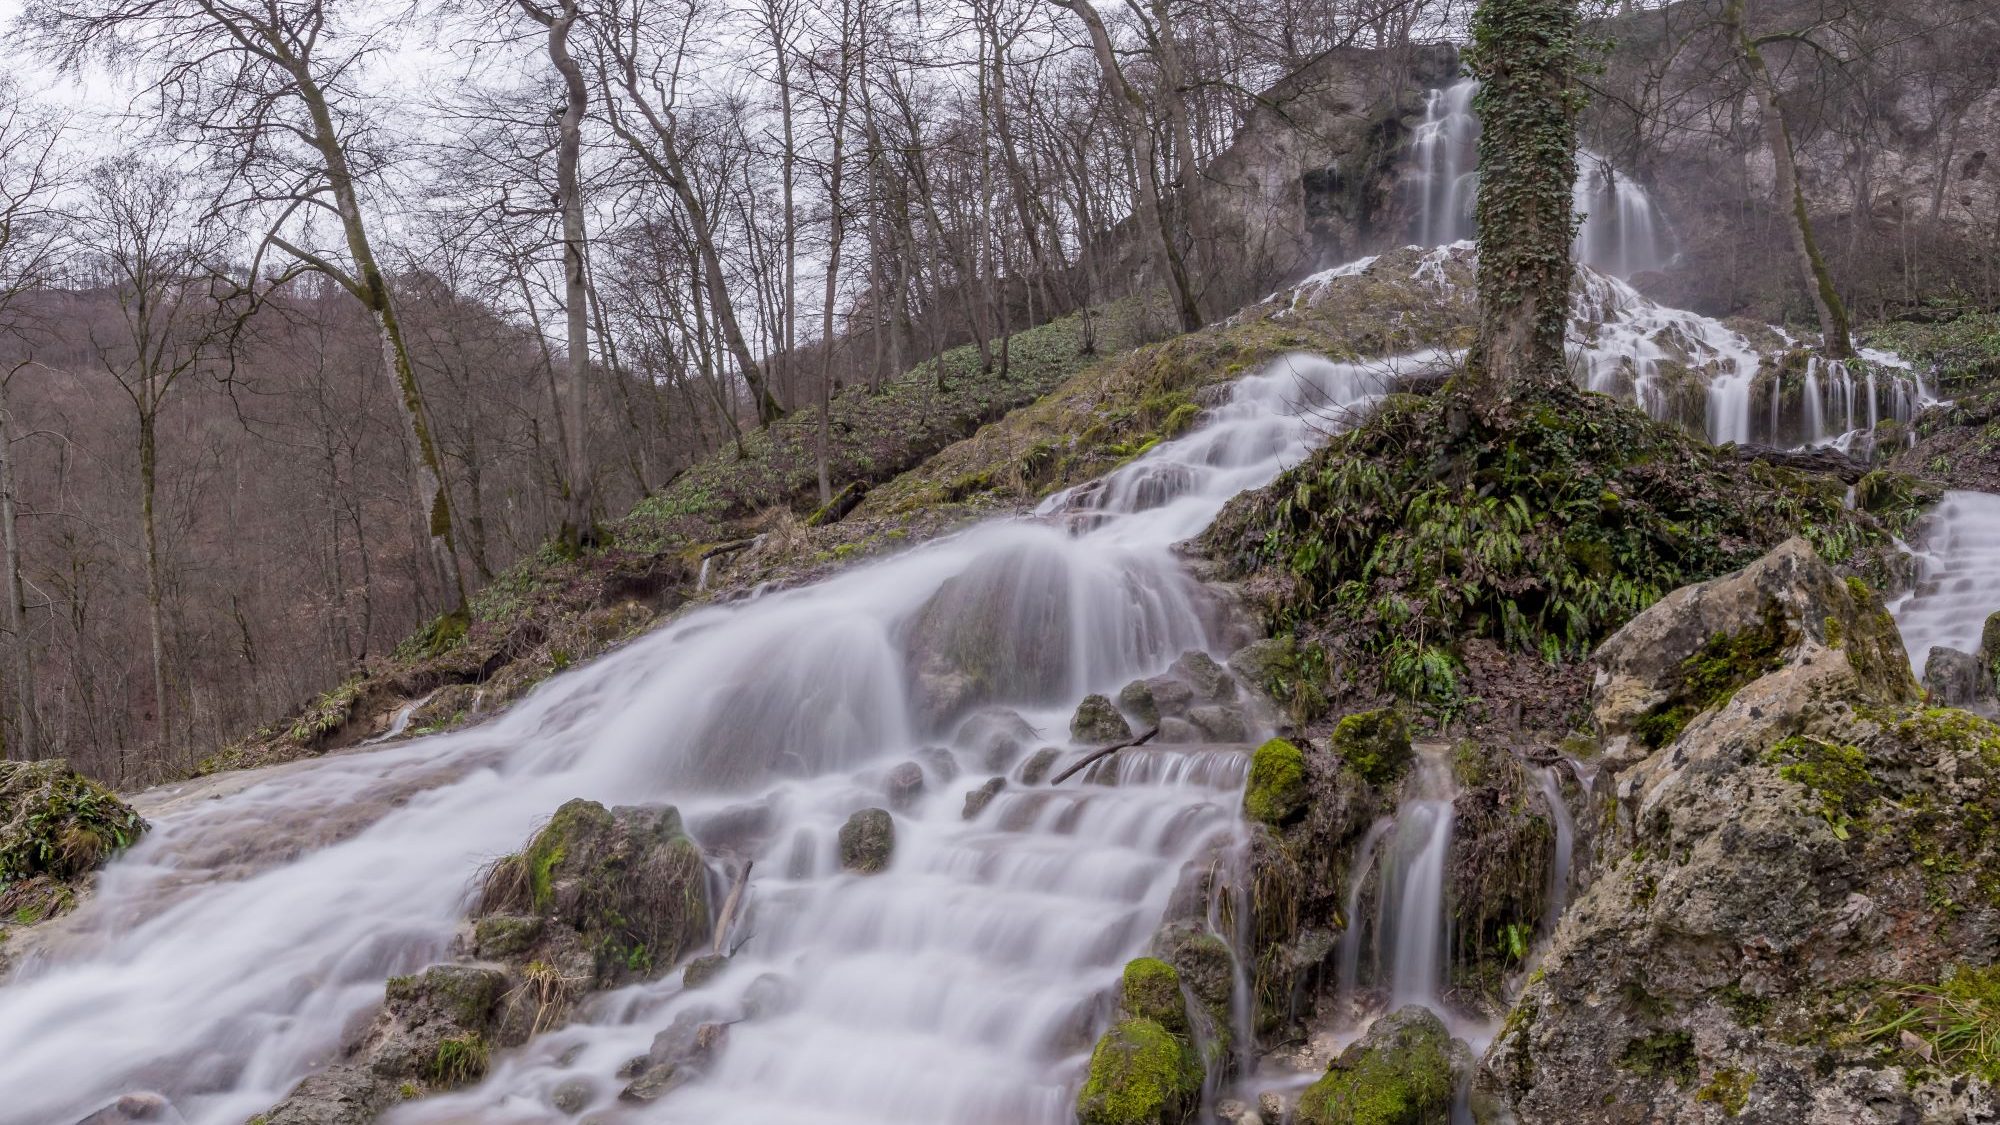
x=1413, y=895
x=1565, y=827
x=1349, y=952
x=232, y=950
x=1623, y=231
x=1958, y=577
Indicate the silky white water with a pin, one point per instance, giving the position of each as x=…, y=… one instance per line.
x=1958, y=577
x=227, y=955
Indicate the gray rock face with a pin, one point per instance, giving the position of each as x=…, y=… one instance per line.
x=679, y=1054
x=135, y=1108
x=1959, y=679
x=338, y=1095
x=1098, y=723
x=1763, y=892
x=1036, y=769
x=867, y=841
x=1137, y=701
x=1219, y=723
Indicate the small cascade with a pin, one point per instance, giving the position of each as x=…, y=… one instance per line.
x=1677, y=365
x=1623, y=231
x=1958, y=577
x=1565, y=826
x=1351, y=938
x=1842, y=401
x=1413, y=925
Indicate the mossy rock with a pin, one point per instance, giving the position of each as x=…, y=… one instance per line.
x=628, y=881
x=867, y=841
x=701, y=970
x=1140, y=1074
x=1276, y=793
x=1400, y=1073
x=1374, y=744
x=1098, y=723
x=57, y=827
x=1152, y=991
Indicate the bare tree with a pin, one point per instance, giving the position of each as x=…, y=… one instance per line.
x=267, y=89
x=579, y=519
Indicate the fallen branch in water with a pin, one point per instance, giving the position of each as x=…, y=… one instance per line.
x=729, y=906
x=730, y=547
x=1103, y=754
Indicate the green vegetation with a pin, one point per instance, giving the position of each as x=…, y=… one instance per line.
x=1961, y=352
x=1952, y=1026
x=1666, y=1054
x=1140, y=1074
x=1729, y=1089
x=459, y=1059
x=1541, y=523
x=56, y=828
x=1712, y=676
x=1277, y=789
x=1837, y=775
x=1374, y=744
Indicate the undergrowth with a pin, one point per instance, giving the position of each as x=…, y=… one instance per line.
x=1542, y=524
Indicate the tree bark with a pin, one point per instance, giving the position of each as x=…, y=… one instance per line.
x=26, y=741
x=579, y=525
x=1835, y=339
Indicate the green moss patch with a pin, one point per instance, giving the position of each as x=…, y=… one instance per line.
x=1407, y=1082
x=1667, y=1054
x=1711, y=677
x=1152, y=991
x=1951, y=1027
x=1276, y=793
x=1374, y=744
x=1140, y=1074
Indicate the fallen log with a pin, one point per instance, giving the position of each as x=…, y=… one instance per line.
x=1100, y=755
x=1831, y=462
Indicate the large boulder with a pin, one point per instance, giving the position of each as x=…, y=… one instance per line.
x=1796, y=880
x=867, y=841
x=1098, y=723
x=598, y=898
x=1959, y=679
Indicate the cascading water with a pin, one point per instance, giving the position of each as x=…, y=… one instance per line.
x=1623, y=231
x=231, y=951
x=1958, y=577
x=1413, y=928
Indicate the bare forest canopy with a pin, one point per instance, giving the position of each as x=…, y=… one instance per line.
x=319, y=315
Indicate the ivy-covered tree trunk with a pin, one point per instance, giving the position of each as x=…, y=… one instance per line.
x=1525, y=54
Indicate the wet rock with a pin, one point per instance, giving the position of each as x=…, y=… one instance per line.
x=1037, y=768
x=572, y=1095
x=1171, y=696
x=995, y=737
x=1958, y=679
x=976, y=800
x=1098, y=723
x=438, y=1025
x=904, y=785
x=679, y=1054
x=135, y=1108
x=939, y=763
x=1219, y=723
x=769, y=995
x=627, y=883
x=867, y=841
x=1989, y=641
x=1272, y=1106
x=1209, y=681
x=1179, y=731
x=1152, y=991
x=1136, y=700
x=1399, y=1073
x=701, y=970
x=1262, y=662
x=1499, y=868
x=339, y=1095
x=1276, y=793
x=499, y=937
x=997, y=631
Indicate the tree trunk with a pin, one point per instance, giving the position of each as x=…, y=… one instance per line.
x=579, y=525
x=150, y=543
x=1525, y=56
x=1827, y=306
x=26, y=741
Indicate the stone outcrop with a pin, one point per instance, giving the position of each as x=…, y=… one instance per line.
x=1797, y=896
x=1403, y=1071
x=598, y=898
x=1144, y=1071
